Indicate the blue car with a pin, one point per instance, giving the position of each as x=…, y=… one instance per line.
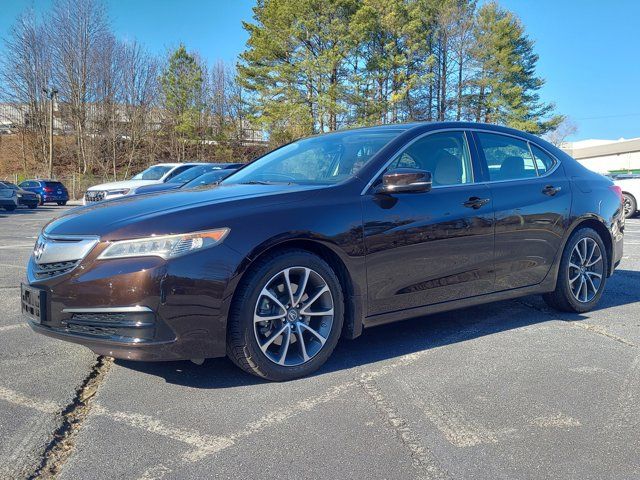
x=49, y=191
x=188, y=176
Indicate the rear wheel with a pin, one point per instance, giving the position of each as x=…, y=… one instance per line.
x=33, y=205
x=286, y=316
x=630, y=205
x=62, y=204
x=582, y=275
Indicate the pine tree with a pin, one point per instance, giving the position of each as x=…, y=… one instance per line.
x=506, y=83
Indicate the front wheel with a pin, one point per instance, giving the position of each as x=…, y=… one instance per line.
x=629, y=204
x=582, y=274
x=10, y=208
x=286, y=316
x=33, y=205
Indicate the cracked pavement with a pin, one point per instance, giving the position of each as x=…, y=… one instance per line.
x=507, y=390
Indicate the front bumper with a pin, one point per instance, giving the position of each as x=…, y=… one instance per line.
x=9, y=202
x=142, y=308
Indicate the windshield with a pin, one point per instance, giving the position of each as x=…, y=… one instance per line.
x=192, y=173
x=153, y=173
x=209, y=178
x=325, y=159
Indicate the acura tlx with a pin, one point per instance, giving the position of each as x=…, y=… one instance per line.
x=322, y=238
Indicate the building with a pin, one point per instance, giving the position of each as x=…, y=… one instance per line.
x=607, y=156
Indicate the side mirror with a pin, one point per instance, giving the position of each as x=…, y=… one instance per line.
x=405, y=180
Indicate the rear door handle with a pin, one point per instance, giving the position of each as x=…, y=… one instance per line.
x=551, y=190
x=476, y=202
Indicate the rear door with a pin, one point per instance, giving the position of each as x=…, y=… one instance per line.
x=432, y=247
x=532, y=204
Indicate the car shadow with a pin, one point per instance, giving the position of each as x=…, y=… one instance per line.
x=397, y=339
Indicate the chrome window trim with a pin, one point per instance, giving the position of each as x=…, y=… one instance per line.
x=419, y=137
x=133, y=309
x=465, y=131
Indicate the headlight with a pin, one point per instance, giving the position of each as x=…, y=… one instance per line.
x=166, y=246
x=122, y=191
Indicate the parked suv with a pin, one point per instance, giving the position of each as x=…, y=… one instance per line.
x=49, y=191
x=159, y=173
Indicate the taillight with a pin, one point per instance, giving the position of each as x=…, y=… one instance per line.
x=618, y=191
x=48, y=189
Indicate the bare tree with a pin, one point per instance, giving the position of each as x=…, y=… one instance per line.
x=78, y=31
x=565, y=129
x=25, y=71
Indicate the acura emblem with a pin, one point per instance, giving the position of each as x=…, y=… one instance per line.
x=38, y=250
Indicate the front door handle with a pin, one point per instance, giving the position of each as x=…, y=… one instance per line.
x=476, y=202
x=551, y=190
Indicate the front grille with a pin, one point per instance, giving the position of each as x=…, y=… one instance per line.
x=47, y=270
x=91, y=330
x=94, y=196
x=104, y=317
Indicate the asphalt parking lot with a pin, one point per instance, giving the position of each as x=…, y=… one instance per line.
x=507, y=390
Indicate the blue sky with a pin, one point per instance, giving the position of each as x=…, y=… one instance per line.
x=589, y=50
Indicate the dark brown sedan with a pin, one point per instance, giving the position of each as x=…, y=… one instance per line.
x=322, y=238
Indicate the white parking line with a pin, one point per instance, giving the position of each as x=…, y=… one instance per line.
x=8, y=247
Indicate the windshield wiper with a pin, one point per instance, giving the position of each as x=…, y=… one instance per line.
x=256, y=182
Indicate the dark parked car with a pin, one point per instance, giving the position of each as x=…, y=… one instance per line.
x=8, y=197
x=322, y=238
x=28, y=199
x=211, y=178
x=180, y=181
x=50, y=191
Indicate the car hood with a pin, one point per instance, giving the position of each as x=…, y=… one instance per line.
x=178, y=211
x=158, y=187
x=123, y=184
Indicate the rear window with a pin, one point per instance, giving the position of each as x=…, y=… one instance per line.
x=53, y=184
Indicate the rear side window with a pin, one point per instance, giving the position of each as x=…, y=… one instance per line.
x=544, y=161
x=507, y=158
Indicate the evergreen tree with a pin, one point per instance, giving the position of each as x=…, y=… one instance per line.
x=507, y=85
x=181, y=83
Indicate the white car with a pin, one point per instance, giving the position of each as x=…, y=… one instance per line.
x=159, y=173
x=630, y=186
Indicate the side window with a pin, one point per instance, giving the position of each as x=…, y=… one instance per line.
x=445, y=155
x=544, y=161
x=507, y=158
x=24, y=185
x=178, y=171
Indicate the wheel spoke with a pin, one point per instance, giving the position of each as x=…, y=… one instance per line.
x=323, y=290
x=593, y=274
x=286, y=341
x=313, y=332
x=271, y=339
x=323, y=313
x=257, y=318
x=583, y=283
x=571, y=280
x=591, y=284
x=593, y=249
x=273, y=298
x=303, y=347
x=593, y=262
x=579, y=252
x=302, y=286
x=287, y=280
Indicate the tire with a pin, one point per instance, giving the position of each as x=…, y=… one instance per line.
x=40, y=200
x=61, y=204
x=33, y=206
x=570, y=277
x=245, y=337
x=10, y=208
x=630, y=205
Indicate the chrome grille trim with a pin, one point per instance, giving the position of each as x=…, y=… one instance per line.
x=55, y=255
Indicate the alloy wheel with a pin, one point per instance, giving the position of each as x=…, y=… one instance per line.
x=586, y=268
x=626, y=205
x=293, y=316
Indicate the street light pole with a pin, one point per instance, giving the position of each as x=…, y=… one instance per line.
x=51, y=94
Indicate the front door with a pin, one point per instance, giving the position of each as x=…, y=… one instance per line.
x=427, y=248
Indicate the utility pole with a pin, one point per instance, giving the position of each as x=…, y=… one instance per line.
x=50, y=94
